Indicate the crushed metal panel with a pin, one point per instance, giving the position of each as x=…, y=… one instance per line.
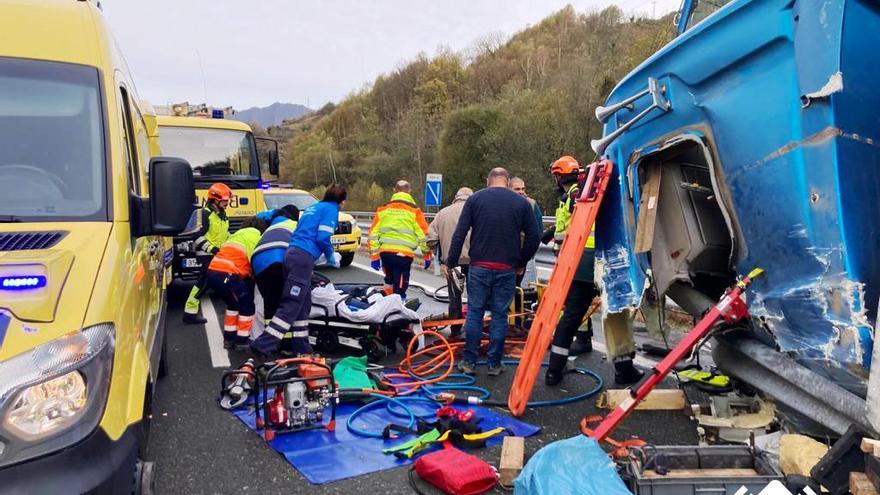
x=804, y=183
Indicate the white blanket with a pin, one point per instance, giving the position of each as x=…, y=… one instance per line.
x=328, y=297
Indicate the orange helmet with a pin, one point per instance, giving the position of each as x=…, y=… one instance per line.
x=219, y=192
x=564, y=166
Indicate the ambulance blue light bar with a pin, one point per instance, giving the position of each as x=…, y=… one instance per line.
x=22, y=282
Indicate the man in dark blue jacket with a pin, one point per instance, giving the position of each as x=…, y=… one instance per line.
x=504, y=237
x=309, y=241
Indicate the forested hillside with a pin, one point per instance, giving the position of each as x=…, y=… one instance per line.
x=515, y=102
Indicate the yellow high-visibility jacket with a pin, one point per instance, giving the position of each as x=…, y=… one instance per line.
x=215, y=229
x=563, y=219
x=399, y=226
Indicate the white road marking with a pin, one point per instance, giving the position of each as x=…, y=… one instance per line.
x=412, y=283
x=219, y=355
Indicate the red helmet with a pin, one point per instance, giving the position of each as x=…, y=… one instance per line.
x=219, y=192
x=564, y=166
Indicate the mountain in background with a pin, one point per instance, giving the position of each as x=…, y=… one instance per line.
x=274, y=114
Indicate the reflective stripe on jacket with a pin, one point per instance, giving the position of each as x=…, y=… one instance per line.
x=215, y=229
x=399, y=226
x=563, y=219
x=272, y=245
x=235, y=254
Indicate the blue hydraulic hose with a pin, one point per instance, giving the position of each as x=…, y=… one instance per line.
x=372, y=405
x=392, y=405
x=397, y=407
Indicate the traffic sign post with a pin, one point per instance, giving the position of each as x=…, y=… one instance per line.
x=433, y=190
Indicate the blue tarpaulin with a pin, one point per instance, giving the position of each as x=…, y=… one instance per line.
x=323, y=457
x=575, y=465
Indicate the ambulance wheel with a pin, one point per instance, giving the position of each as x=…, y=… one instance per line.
x=346, y=260
x=327, y=341
x=144, y=478
x=374, y=349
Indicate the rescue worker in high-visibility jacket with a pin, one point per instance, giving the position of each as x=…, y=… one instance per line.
x=309, y=242
x=230, y=275
x=583, y=290
x=268, y=258
x=399, y=228
x=214, y=232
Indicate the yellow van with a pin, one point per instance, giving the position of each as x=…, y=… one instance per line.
x=84, y=250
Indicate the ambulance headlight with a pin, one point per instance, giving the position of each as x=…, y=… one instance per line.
x=54, y=395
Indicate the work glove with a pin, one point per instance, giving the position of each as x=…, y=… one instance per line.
x=335, y=261
x=428, y=260
x=376, y=264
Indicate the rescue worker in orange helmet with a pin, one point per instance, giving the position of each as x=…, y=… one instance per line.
x=215, y=231
x=566, y=174
x=231, y=276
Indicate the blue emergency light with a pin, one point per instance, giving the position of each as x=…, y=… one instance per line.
x=22, y=282
x=216, y=114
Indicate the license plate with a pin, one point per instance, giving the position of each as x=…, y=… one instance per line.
x=337, y=240
x=191, y=263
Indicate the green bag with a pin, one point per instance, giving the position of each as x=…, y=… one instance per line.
x=351, y=372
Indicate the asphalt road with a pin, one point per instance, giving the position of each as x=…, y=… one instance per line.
x=199, y=448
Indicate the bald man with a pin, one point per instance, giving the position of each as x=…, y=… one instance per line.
x=504, y=236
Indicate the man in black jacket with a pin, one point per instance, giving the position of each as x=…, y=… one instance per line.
x=504, y=236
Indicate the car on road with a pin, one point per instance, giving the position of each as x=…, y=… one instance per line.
x=347, y=238
x=84, y=254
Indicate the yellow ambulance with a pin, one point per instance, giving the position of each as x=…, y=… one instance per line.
x=86, y=212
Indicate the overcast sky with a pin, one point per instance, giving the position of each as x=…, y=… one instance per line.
x=252, y=53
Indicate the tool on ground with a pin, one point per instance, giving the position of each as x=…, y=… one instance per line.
x=294, y=394
x=585, y=212
x=731, y=308
x=237, y=385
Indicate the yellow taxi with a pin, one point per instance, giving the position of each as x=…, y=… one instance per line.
x=347, y=238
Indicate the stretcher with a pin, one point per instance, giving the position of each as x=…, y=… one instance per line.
x=358, y=319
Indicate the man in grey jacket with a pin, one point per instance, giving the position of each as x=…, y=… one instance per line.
x=440, y=236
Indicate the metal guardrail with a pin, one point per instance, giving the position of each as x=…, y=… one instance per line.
x=545, y=257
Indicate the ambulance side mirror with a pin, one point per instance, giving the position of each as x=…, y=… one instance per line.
x=171, y=208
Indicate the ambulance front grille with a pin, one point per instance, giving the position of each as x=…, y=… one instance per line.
x=20, y=241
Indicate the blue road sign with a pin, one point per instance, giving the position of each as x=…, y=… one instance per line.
x=433, y=189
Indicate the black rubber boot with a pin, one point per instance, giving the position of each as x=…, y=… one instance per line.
x=625, y=373
x=553, y=377
x=193, y=319
x=583, y=343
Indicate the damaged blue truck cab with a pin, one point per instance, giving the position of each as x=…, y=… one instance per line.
x=753, y=139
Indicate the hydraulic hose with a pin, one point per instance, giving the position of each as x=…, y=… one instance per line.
x=349, y=423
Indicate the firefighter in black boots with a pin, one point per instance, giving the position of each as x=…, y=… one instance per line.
x=583, y=290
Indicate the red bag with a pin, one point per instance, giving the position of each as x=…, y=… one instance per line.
x=455, y=472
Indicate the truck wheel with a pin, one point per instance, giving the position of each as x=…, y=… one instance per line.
x=346, y=260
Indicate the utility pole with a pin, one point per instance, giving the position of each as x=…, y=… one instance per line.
x=653, y=9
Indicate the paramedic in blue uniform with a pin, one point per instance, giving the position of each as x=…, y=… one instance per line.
x=268, y=258
x=309, y=241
